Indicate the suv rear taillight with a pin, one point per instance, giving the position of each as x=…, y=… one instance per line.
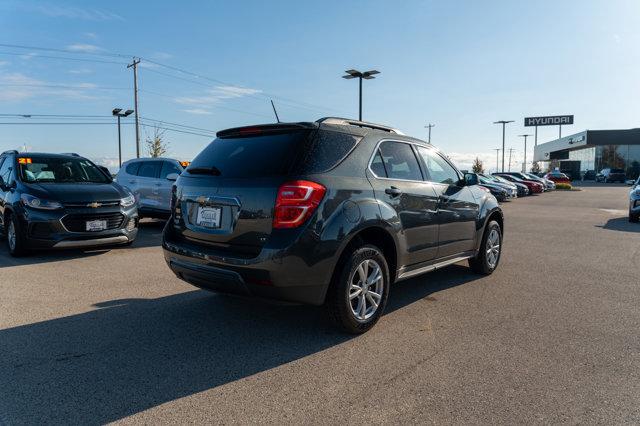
x=296, y=202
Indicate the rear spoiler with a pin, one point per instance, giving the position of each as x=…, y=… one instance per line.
x=261, y=129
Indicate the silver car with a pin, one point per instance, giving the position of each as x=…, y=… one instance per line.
x=150, y=180
x=634, y=202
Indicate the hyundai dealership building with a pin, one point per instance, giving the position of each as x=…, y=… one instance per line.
x=592, y=150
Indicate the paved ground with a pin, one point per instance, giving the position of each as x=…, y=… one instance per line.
x=551, y=337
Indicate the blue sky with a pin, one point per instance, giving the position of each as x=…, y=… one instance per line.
x=458, y=64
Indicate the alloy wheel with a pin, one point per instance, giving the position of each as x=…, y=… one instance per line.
x=493, y=248
x=11, y=235
x=366, y=289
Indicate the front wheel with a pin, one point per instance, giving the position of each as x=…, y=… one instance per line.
x=488, y=257
x=358, y=295
x=634, y=218
x=15, y=238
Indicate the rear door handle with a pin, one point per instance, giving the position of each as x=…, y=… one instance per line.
x=393, y=191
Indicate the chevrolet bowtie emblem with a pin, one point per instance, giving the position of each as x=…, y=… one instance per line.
x=94, y=205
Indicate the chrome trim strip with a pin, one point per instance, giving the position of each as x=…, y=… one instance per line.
x=91, y=243
x=429, y=268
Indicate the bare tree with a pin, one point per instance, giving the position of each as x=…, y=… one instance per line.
x=477, y=167
x=157, y=146
x=535, y=168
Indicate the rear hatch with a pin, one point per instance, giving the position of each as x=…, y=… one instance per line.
x=227, y=195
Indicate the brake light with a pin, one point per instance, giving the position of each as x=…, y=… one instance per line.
x=296, y=202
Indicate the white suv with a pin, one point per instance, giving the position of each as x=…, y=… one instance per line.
x=150, y=180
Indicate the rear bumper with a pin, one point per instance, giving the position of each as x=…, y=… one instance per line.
x=281, y=274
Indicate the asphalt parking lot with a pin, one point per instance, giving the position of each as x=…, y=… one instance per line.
x=552, y=336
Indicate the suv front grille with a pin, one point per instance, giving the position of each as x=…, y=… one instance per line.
x=77, y=222
x=111, y=203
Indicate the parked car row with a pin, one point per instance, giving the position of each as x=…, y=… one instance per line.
x=326, y=213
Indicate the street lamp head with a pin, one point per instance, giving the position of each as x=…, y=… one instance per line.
x=503, y=122
x=116, y=111
x=128, y=112
x=352, y=74
x=368, y=75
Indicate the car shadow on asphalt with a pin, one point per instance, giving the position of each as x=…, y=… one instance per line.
x=149, y=235
x=127, y=356
x=620, y=224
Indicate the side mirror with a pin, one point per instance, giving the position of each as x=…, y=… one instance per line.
x=470, y=179
x=172, y=176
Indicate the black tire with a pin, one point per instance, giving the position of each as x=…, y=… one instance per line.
x=16, y=245
x=481, y=264
x=634, y=218
x=339, y=304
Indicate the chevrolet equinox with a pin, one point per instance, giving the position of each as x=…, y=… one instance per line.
x=331, y=212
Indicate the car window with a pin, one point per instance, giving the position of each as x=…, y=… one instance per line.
x=169, y=167
x=5, y=169
x=377, y=166
x=43, y=169
x=132, y=168
x=150, y=169
x=399, y=161
x=438, y=169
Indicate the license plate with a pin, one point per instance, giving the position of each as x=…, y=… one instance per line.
x=96, y=225
x=209, y=217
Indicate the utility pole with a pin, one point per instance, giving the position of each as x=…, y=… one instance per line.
x=497, y=150
x=503, y=122
x=134, y=65
x=429, y=126
x=525, y=152
x=510, y=151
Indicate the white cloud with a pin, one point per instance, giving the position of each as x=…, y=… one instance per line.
x=69, y=12
x=3, y=63
x=83, y=47
x=215, y=95
x=91, y=35
x=161, y=56
x=198, y=111
x=19, y=87
x=80, y=71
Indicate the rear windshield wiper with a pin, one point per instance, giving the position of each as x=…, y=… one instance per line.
x=213, y=170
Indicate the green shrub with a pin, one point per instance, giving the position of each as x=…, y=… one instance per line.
x=564, y=186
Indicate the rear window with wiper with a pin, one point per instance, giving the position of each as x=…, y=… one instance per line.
x=248, y=157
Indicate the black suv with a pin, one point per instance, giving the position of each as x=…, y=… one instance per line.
x=329, y=212
x=61, y=201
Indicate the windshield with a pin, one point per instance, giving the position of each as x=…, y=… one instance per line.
x=59, y=170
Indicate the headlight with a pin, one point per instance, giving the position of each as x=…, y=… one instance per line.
x=128, y=201
x=39, y=203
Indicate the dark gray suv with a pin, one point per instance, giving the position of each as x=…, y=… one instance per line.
x=330, y=212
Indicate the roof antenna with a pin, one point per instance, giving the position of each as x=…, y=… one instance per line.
x=274, y=111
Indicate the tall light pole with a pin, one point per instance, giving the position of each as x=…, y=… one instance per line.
x=429, y=126
x=525, y=151
x=117, y=112
x=497, y=150
x=367, y=75
x=503, y=122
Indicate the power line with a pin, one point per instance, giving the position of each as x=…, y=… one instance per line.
x=52, y=49
x=62, y=86
x=64, y=58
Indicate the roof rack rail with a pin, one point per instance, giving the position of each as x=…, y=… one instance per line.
x=348, y=122
x=71, y=153
x=11, y=151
